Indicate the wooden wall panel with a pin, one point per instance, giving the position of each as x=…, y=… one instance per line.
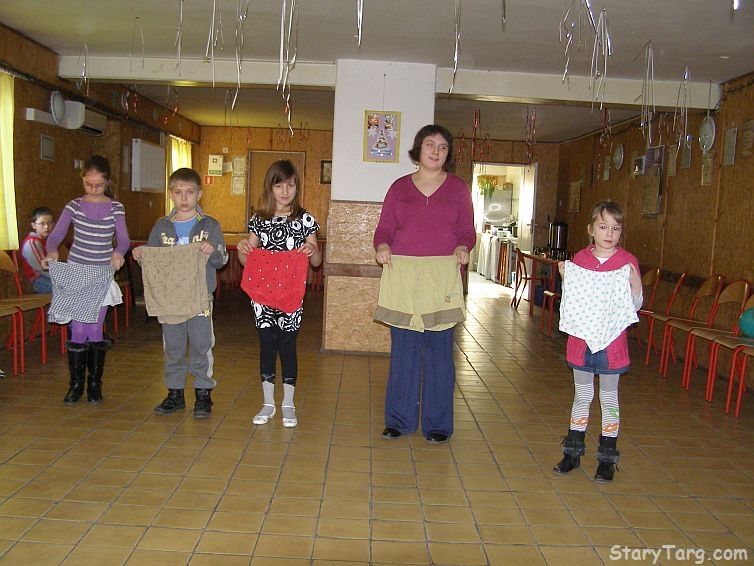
x=702, y=229
x=230, y=210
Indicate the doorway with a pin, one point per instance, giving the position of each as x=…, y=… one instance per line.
x=503, y=195
x=259, y=162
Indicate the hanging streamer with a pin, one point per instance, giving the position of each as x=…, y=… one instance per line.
x=83, y=82
x=647, y=95
x=457, y=52
x=504, y=10
x=474, y=131
x=242, y=13
x=137, y=29
x=288, y=52
x=359, y=19
x=681, y=113
x=572, y=21
x=485, y=147
x=531, y=129
x=178, y=44
x=601, y=53
x=215, y=36
x=461, y=149
x=605, y=140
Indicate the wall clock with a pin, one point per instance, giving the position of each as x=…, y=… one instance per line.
x=707, y=133
x=57, y=106
x=618, y=156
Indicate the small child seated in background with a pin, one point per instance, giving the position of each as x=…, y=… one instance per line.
x=34, y=250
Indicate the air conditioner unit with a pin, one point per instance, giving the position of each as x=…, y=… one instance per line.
x=76, y=116
x=94, y=123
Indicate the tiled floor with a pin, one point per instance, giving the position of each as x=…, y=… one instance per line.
x=115, y=484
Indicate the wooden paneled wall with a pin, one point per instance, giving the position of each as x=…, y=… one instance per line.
x=701, y=229
x=230, y=209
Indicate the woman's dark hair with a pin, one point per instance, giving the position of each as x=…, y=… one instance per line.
x=100, y=165
x=279, y=172
x=430, y=130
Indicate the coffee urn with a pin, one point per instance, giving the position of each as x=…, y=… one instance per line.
x=558, y=236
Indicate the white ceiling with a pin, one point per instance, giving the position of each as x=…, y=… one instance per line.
x=706, y=35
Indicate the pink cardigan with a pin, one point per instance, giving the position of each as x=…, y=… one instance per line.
x=617, y=350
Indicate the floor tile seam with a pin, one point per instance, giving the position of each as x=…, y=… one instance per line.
x=277, y=484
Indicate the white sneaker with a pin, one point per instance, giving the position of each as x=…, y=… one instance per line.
x=290, y=421
x=262, y=417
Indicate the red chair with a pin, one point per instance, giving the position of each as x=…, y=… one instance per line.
x=745, y=352
x=723, y=339
x=15, y=341
x=25, y=303
x=735, y=295
x=709, y=290
x=522, y=280
x=653, y=316
x=649, y=282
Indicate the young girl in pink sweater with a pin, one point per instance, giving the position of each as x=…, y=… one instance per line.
x=603, y=254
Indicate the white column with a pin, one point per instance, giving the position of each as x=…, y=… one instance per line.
x=407, y=88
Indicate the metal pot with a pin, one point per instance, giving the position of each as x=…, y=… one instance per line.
x=558, y=235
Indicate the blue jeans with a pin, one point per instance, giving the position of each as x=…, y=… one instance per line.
x=422, y=372
x=42, y=284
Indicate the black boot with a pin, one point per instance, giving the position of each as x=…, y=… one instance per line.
x=96, y=364
x=203, y=405
x=77, y=356
x=573, y=449
x=607, y=456
x=171, y=403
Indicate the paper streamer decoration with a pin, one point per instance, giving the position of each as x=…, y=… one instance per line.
x=140, y=31
x=242, y=13
x=681, y=112
x=359, y=19
x=572, y=22
x=178, y=44
x=601, y=53
x=531, y=130
x=215, y=36
x=83, y=82
x=647, y=95
x=457, y=52
x=288, y=52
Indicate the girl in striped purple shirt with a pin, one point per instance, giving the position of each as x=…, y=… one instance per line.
x=96, y=218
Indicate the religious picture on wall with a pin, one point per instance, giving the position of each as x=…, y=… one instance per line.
x=382, y=136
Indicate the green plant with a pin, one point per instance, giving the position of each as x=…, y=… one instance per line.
x=486, y=185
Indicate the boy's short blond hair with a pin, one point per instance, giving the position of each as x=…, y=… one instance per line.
x=186, y=175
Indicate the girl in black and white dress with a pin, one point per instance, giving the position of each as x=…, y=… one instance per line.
x=280, y=225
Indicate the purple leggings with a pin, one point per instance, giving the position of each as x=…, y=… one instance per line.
x=82, y=332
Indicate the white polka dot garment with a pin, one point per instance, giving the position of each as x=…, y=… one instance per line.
x=596, y=306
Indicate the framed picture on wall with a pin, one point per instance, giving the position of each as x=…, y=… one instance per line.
x=325, y=172
x=382, y=136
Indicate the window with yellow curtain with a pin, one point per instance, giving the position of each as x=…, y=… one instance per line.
x=8, y=223
x=179, y=155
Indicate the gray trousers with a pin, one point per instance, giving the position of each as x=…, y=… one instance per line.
x=201, y=338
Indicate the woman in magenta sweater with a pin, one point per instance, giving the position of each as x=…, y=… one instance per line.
x=428, y=213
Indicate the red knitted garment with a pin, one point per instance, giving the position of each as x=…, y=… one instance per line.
x=276, y=279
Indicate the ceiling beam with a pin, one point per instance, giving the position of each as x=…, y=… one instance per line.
x=498, y=86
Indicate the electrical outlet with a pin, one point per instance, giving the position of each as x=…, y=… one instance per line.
x=225, y=150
